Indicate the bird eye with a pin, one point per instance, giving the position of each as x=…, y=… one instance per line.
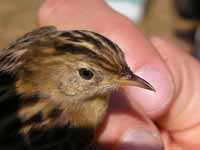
x=86, y=73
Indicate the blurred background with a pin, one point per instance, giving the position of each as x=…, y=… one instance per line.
x=177, y=20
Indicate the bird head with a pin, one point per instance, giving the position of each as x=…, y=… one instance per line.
x=65, y=76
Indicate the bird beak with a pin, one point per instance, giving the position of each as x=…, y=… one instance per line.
x=134, y=80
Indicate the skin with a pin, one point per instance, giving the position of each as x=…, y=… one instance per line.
x=174, y=108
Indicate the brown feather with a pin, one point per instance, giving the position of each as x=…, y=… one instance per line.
x=49, y=99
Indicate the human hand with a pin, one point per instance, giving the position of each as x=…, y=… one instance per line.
x=174, y=108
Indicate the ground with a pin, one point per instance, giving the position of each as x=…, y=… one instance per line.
x=16, y=18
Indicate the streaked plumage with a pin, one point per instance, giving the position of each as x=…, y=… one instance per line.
x=44, y=103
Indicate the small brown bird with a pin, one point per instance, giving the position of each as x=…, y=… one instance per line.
x=55, y=87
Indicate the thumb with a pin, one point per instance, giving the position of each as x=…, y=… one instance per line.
x=181, y=123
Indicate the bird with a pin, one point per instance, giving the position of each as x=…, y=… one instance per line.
x=55, y=88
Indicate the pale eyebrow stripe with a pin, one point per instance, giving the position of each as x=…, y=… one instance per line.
x=78, y=49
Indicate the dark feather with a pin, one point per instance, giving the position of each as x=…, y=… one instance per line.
x=12, y=60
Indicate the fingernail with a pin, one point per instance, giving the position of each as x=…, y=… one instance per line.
x=154, y=103
x=141, y=140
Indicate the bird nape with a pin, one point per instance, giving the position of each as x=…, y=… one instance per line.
x=55, y=87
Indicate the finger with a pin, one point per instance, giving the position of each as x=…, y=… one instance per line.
x=126, y=127
x=182, y=122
